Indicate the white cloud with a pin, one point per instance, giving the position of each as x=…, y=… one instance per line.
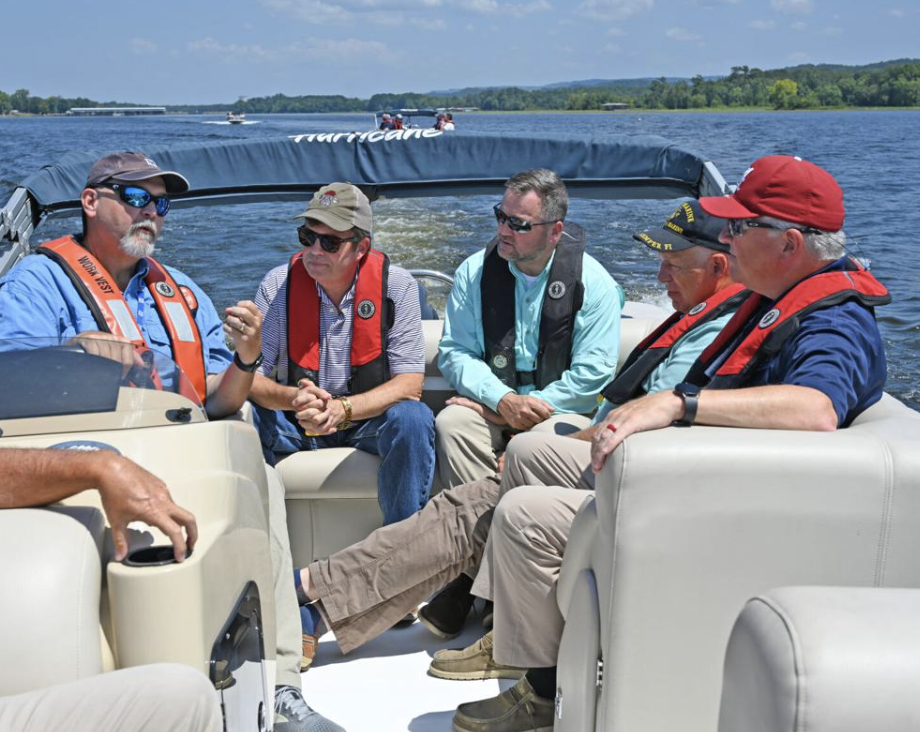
x=799, y=25
x=142, y=46
x=616, y=32
x=832, y=31
x=798, y=57
x=564, y=49
x=493, y=7
x=792, y=6
x=613, y=9
x=612, y=48
x=762, y=25
x=898, y=13
x=682, y=35
x=710, y=4
x=429, y=25
x=347, y=51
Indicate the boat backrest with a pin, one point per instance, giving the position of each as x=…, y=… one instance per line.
x=52, y=579
x=824, y=659
x=688, y=524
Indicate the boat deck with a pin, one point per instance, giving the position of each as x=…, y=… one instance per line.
x=384, y=685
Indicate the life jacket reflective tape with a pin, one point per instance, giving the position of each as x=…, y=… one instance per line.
x=103, y=297
x=561, y=302
x=655, y=347
x=781, y=322
x=373, y=317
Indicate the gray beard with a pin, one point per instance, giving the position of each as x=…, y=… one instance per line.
x=136, y=244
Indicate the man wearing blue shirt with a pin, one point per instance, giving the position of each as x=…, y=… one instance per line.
x=804, y=352
x=105, y=288
x=531, y=331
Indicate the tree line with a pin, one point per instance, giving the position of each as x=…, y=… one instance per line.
x=889, y=84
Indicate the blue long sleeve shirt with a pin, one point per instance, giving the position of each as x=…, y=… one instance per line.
x=595, y=341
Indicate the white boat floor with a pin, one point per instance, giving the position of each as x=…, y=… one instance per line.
x=384, y=686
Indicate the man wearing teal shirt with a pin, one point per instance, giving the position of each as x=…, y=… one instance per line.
x=561, y=344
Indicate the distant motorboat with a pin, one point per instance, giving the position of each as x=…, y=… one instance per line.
x=236, y=118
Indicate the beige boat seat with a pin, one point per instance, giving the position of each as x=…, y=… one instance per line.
x=687, y=524
x=824, y=659
x=52, y=579
x=332, y=493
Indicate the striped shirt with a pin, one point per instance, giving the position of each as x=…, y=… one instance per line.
x=405, y=343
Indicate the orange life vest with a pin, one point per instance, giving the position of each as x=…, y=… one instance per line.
x=373, y=317
x=175, y=304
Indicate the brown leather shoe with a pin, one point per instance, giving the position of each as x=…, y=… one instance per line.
x=518, y=709
x=307, y=650
x=473, y=662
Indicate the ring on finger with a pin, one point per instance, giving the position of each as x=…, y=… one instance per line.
x=612, y=428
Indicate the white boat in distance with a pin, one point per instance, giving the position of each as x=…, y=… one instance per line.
x=236, y=118
x=687, y=524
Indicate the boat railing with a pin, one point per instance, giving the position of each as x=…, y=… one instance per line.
x=16, y=226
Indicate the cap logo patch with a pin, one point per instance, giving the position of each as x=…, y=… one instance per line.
x=151, y=163
x=556, y=290
x=328, y=199
x=697, y=309
x=164, y=289
x=769, y=319
x=500, y=361
x=366, y=309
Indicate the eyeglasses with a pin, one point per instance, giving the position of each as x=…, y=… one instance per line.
x=518, y=226
x=137, y=197
x=737, y=227
x=331, y=244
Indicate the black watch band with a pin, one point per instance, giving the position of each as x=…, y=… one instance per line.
x=249, y=368
x=690, y=394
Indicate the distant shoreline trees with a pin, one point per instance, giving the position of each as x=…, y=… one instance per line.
x=887, y=84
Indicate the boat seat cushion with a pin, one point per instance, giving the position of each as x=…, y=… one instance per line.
x=824, y=659
x=51, y=577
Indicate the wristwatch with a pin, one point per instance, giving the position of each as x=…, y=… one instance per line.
x=249, y=368
x=690, y=394
x=346, y=405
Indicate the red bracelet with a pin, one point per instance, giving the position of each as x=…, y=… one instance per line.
x=611, y=428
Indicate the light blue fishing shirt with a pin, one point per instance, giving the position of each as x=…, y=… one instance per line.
x=595, y=341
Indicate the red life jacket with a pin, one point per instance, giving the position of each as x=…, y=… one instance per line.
x=176, y=306
x=781, y=322
x=373, y=317
x=655, y=347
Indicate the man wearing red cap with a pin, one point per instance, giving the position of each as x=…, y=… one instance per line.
x=808, y=355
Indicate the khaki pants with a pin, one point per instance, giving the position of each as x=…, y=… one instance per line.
x=158, y=698
x=467, y=444
x=520, y=568
x=287, y=612
x=365, y=588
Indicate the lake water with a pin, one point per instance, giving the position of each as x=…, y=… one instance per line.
x=874, y=155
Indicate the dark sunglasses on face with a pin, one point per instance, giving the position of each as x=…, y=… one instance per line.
x=137, y=197
x=737, y=227
x=518, y=226
x=331, y=244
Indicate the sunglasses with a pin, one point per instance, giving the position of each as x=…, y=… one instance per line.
x=139, y=198
x=518, y=226
x=331, y=244
x=737, y=227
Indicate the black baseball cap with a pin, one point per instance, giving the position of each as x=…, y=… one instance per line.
x=689, y=226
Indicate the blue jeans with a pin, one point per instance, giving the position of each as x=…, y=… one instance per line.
x=403, y=437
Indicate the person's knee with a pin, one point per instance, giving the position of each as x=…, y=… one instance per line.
x=411, y=420
x=515, y=510
x=451, y=421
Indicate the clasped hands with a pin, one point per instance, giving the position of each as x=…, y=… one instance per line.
x=316, y=410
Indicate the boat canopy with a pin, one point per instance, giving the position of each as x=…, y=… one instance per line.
x=410, y=112
x=399, y=163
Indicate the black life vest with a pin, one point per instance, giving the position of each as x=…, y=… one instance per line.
x=561, y=302
x=373, y=318
x=655, y=347
x=765, y=339
x=175, y=304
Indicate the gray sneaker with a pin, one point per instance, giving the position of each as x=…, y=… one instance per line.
x=472, y=662
x=518, y=709
x=292, y=714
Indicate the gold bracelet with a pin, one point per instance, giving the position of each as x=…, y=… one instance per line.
x=347, y=406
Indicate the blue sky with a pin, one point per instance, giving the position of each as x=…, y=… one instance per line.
x=209, y=51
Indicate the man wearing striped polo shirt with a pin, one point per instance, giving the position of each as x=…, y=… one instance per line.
x=342, y=336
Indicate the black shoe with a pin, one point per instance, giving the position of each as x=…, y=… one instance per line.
x=446, y=614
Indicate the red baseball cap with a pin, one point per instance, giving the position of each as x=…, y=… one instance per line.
x=786, y=188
